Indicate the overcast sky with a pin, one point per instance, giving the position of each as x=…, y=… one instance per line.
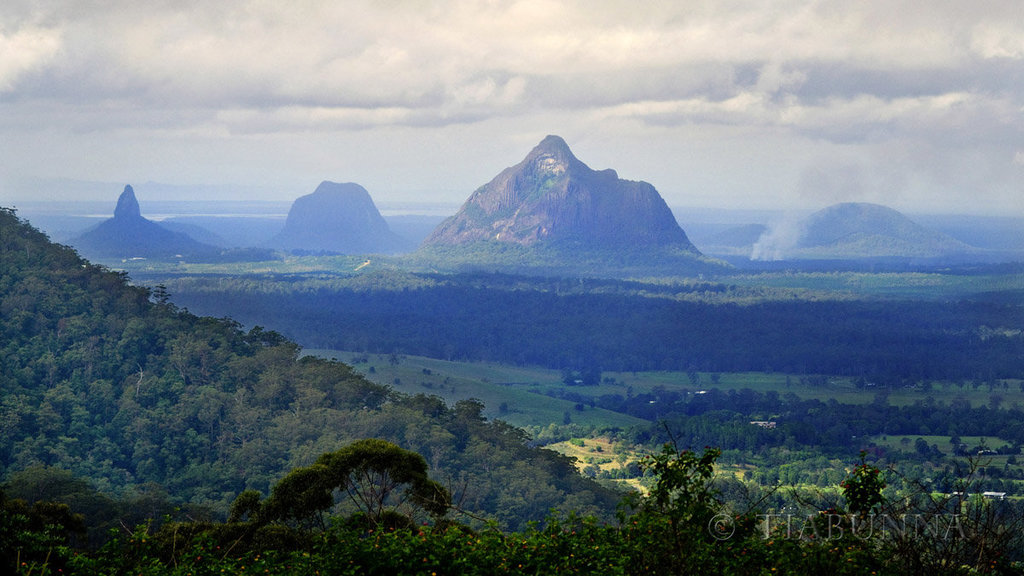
x=771, y=104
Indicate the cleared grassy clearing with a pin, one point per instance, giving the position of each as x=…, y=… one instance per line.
x=517, y=404
x=902, y=285
x=602, y=453
x=520, y=394
x=906, y=442
x=978, y=449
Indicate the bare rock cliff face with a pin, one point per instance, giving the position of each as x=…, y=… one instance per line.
x=552, y=197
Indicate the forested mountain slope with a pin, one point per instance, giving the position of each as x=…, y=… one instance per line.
x=115, y=384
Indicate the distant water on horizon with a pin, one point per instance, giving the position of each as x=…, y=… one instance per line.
x=166, y=209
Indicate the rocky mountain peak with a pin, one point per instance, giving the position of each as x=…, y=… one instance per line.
x=553, y=147
x=552, y=144
x=552, y=197
x=129, y=235
x=127, y=206
x=553, y=158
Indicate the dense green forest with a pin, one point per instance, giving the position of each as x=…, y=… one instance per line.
x=118, y=386
x=626, y=325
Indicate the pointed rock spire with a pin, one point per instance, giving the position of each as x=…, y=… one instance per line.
x=127, y=205
x=129, y=235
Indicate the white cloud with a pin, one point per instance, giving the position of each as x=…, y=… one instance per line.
x=25, y=51
x=838, y=117
x=306, y=118
x=1003, y=39
x=363, y=49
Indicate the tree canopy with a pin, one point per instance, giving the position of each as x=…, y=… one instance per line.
x=118, y=386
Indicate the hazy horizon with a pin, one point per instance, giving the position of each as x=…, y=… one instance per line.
x=789, y=105
x=154, y=207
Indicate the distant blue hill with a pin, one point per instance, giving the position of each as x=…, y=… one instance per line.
x=338, y=217
x=129, y=235
x=856, y=230
x=195, y=231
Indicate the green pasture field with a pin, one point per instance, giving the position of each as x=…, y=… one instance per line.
x=523, y=390
x=492, y=384
x=999, y=461
x=932, y=285
x=897, y=285
x=906, y=442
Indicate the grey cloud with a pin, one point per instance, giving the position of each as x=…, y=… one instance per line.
x=832, y=184
x=894, y=87
x=202, y=56
x=599, y=89
x=831, y=79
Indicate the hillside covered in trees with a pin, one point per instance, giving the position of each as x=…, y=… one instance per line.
x=116, y=385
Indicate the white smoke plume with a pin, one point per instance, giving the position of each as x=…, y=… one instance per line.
x=779, y=240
